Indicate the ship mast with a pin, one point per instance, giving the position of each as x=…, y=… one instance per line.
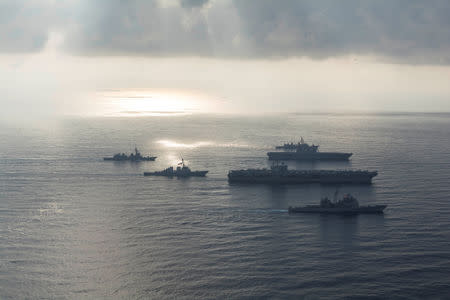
x=335, y=195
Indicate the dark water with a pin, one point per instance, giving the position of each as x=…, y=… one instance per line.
x=74, y=226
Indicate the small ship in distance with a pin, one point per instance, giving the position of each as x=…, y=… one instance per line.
x=281, y=174
x=347, y=205
x=181, y=171
x=304, y=151
x=136, y=157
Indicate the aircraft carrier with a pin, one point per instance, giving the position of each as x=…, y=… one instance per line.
x=281, y=174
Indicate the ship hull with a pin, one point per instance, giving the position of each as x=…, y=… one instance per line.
x=191, y=174
x=308, y=156
x=372, y=209
x=150, y=158
x=299, y=179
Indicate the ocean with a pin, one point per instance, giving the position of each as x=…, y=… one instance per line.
x=74, y=226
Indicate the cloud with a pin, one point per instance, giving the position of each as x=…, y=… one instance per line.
x=400, y=29
x=23, y=28
x=27, y=24
x=410, y=31
x=140, y=27
x=193, y=3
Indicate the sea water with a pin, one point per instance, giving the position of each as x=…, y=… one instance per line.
x=75, y=226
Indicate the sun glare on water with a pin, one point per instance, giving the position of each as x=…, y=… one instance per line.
x=173, y=144
x=151, y=103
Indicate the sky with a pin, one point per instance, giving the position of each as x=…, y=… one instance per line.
x=165, y=57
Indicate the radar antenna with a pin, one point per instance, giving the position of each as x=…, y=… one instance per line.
x=182, y=161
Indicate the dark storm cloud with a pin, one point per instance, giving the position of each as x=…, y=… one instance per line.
x=140, y=27
x=412, y=31
x=399, y=29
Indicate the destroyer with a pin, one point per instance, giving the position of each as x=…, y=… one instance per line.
x=347, y=205
x=281, y=174
x=304, y=151
x=136, y=156
x=181, y=171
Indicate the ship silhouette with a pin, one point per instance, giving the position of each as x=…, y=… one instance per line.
x=304, y=151
x=347, y=205
x=182, y=170
x=135, y=157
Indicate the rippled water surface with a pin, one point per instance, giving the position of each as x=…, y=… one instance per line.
x=75, y=226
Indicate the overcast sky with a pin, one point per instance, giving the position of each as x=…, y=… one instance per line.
x=58, y=56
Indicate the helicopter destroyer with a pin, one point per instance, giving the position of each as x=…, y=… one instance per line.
x=281, y=174
x=304, y=151
x=181, y=171
x=347, y=205
x=136, y=157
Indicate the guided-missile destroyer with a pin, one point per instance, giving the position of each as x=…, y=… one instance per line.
x=304, y=151
x=181, y=171
x=281, y=174
x=136, y=156
x=347, y=205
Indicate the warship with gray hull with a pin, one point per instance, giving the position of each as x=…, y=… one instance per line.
x=182, y=171
x=304, y=151
x=135, y=157
x=347, y=205
x=280, y=174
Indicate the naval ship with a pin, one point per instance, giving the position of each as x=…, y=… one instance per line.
x=181, y=171
x=347, y=205
x=304, y=151
x=281, y=174
x=136, y=156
